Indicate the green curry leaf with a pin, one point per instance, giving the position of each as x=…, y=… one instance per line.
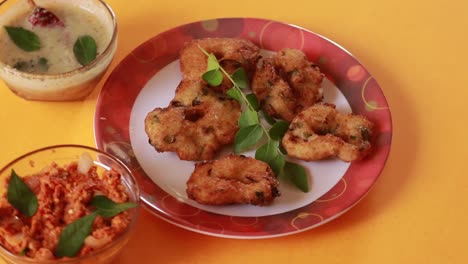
x=108, y=208
x=85, y=49
x=240, y=78
x=73, y=235
x=297, y=175
x=23, y=38
x=269, y=154
x=235, y=94
x=21, y=196
x=213, y=77
x=247, y=137
x=212, y=63
x=278, y=130
x=248, y=118
x=252, y=99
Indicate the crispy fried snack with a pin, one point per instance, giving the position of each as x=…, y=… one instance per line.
x=231, y=53
x=321, y=132
x=201, y=119
x=233, y=179
x=287, y=83
x=196, y=125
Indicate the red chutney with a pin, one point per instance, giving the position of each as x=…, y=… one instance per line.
x=63, y=196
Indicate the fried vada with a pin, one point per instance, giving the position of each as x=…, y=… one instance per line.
x=233, y=179
x=287, y=83
x=201, y=119
x=196, y=125
x=232, y=53
x=321, y=132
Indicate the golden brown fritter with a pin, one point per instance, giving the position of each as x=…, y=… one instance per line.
x=233, y=179
x=193, y=61
x=320, y=132
x=201, y=119
x=198, y=123
x=231, y=53
x=287, y=83
x=189, y=93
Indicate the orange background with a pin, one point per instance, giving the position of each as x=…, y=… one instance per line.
x=418, y=210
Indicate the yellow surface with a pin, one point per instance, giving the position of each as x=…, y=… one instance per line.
x=418, y=210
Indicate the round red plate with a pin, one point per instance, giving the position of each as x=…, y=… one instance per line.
x=118, y=95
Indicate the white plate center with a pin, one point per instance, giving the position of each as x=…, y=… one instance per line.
x=171, y=174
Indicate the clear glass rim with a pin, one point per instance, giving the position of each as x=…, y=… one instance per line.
x=98, y=59
x=98, y=252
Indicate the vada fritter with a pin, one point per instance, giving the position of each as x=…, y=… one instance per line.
x=196, y=125
x=287, y=83
x=201, y=119
x=232, y=53
x=320, y=132
x=233, y=179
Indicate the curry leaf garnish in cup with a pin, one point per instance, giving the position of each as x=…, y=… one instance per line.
x=107, y=208
x=43, y=64
x=85, y=49
x=73, y=236
x=23, y=38
x=251, y=130
x=20, y=196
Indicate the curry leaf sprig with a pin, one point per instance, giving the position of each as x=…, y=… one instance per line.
x=251, y=130
x=71, y=239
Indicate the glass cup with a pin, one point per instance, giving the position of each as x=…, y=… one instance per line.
x=71, y=85
x=35, y=161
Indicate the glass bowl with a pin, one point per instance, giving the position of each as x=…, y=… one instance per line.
x=34, y=161
x=72, y=85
